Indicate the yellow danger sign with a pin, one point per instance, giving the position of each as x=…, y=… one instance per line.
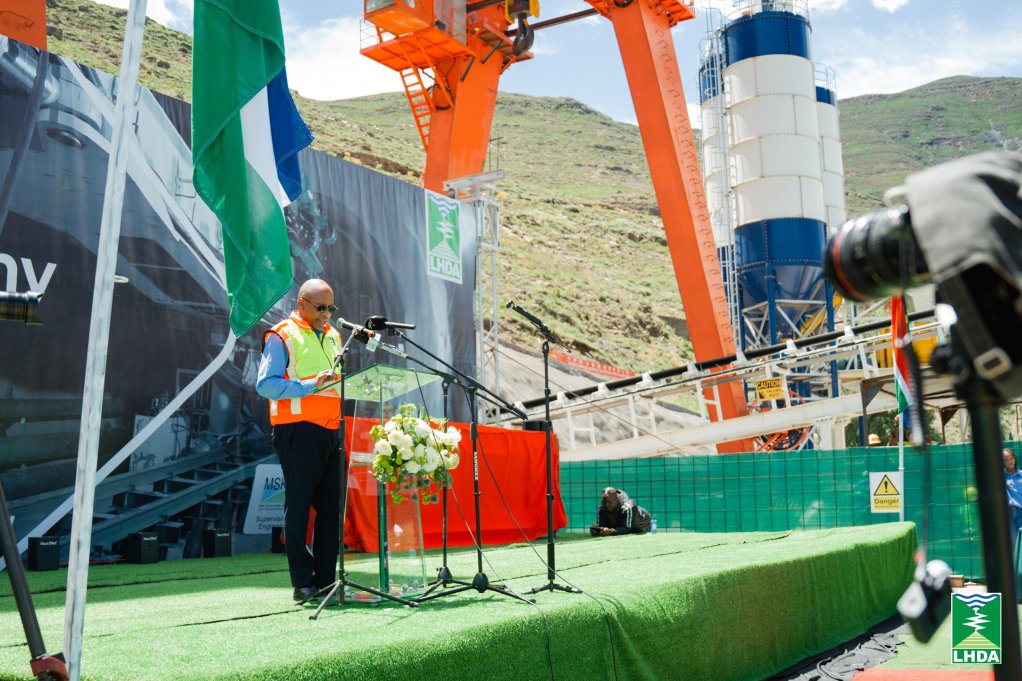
x=885, y=492
x=886, y=488
x=769, y=389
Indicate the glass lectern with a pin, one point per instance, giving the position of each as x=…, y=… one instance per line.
x=377, y=392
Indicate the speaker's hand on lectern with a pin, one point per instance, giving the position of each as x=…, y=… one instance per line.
x=324, y=377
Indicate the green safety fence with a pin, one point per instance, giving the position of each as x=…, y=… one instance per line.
x=807, y=489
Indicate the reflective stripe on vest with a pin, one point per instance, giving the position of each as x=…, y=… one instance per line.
x=296, y=406
x=307, y=356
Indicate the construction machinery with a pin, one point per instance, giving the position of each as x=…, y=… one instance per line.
x=450, y=55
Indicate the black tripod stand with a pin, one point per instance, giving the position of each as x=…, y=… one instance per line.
x=343, y=583
x=551, y=559
x=44, y=667
x=928, y=599
x=480, y=582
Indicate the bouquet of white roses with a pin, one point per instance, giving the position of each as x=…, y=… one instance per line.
x=414, y=454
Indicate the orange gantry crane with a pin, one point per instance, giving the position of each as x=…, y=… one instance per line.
x=450, y=56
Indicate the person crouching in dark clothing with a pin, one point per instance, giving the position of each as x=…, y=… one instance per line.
x=618, y=514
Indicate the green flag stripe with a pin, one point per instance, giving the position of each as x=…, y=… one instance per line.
x=257, y=259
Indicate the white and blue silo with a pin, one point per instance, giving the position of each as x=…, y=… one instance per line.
x=772, y=160
x=832, y=167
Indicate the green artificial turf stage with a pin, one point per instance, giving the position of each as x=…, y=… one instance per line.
x=664, y=606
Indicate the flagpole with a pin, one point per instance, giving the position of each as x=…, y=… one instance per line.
x=901, y=465
x=900, y=337
x=99, y=336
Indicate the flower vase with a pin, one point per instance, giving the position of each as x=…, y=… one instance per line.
x=406, y=558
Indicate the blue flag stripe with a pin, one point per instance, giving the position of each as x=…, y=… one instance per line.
x=289, y=132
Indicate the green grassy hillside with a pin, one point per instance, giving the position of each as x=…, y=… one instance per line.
x=886, y=137
x=582, y=242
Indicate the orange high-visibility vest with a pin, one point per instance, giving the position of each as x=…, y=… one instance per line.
x=307, y=355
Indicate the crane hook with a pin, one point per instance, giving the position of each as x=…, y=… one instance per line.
x=524, y=37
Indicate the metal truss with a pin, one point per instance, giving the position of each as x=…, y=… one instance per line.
x=479, y=192
x=853, y=348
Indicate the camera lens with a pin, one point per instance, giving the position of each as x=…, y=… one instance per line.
x=874, y=256
x=20, y=307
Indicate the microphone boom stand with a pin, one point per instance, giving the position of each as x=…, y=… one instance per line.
x=343, y=583
x=480, y=582
x=551, y=562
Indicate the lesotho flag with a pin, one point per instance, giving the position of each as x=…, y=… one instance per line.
x=246, y=135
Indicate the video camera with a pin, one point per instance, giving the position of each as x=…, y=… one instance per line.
x=958, y=225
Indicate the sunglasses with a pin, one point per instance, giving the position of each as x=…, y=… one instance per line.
x=322, y=308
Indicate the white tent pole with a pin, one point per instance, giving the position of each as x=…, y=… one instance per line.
x=99, y=336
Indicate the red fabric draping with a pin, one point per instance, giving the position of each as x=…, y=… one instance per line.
x=518, y=462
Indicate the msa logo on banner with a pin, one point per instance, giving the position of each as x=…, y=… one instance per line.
x=443, y=227
x=266, y=505
x=976, y=628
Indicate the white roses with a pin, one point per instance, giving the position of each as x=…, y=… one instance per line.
x=414, y=454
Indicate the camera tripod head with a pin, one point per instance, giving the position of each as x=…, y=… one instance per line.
x=927, y=601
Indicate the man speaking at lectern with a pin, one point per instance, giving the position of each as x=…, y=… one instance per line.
x=297, y=360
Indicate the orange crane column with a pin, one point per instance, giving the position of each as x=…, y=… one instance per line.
x=25, y=21
x=459, y=134
x=651, y=65
x=459, y=131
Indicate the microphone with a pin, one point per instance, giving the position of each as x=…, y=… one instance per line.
x=347, y=325
x=532, y=318
x=361, y=334
x=393, y=349
x=372, y=339
x=379, y=323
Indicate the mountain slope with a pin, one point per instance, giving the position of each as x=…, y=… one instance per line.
x=582, y=243
x=886, y=137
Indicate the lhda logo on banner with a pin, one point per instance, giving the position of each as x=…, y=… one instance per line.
x=976, y=628
x=443, y=228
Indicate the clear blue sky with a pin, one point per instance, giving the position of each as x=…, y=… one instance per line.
x=874, y=46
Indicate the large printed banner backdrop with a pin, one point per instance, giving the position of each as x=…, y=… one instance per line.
x=367, y=234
